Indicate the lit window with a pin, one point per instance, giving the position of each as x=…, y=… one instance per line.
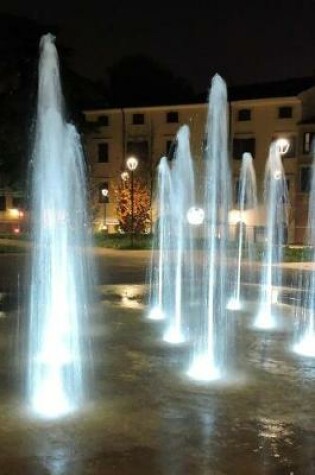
x=308, y=141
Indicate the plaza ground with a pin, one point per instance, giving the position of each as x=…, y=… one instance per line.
x=144, y=416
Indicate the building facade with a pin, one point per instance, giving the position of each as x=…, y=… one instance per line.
x=145, y=132
x=257, y=116
x=13, y=216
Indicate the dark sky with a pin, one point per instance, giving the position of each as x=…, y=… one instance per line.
x=245, y=41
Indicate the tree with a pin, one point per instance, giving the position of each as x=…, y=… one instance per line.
x=141, y=206
x=19, y=53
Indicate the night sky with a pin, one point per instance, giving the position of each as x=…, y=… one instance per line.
x=245, y=41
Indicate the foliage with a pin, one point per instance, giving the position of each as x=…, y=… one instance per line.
x=19, y=53
x=298, y=254
x=141, y=206
x=123, y=241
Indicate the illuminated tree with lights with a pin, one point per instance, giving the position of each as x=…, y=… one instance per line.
x=141, y=204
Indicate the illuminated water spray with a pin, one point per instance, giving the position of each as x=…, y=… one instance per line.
x=182, y=196
x=305, y=340
x=60, y=270
x=160, y=265
x=247, y=199
x=276, y=204
x=210, y=358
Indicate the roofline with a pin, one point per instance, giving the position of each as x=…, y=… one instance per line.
x=268, y=100
x=202, y=105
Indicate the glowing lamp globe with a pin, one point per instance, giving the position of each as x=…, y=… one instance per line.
x=124, y=176
x=132, y=163
x=195, y=216
x=283, y=146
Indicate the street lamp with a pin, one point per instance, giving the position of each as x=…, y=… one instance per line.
x=132, y=163
x=282, y=145
x=104, y=193
x=195, y=216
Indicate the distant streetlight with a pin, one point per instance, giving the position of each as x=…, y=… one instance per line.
x=104, y=193
x=132, y=164
x=124, y=176
x=195, y=215
x=282, y=145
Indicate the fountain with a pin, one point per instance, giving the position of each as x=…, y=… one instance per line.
x=247, y=199
x=182, y=197
x=143, y=410
x=60, y=271
x=173, y=276
x=160, y=275
x=210, y=356
x=276, y=204
x=305, y=344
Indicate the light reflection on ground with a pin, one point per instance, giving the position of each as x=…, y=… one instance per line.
x=147, y=417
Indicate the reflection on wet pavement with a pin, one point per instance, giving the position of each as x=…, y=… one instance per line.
x=145, y=417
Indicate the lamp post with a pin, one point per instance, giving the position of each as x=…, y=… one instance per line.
x=132, y=163
x=104, y=192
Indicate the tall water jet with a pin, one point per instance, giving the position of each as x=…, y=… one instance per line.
x=305, y=341
x=247, y=200
x=183, y=197
x=60, y=268
x=210, y=358
x=160, y=301
x=276, y=205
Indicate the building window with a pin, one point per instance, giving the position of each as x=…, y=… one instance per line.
x=285, y=112
x=3, y=203
x=244, y=114
x=18, y=202
x=305, y=179
x=291, y=153
x=172, y=117
x=171, y=149
x=103, y=152
x=241, y=146
x=241, y=193
x=103, y=120
x=259, y=234
x=308, y=142
x=237, y=191
x=139, y=149
x=103, y=195
x=138, y=119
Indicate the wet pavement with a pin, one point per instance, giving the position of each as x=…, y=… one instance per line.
x=144, y=416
